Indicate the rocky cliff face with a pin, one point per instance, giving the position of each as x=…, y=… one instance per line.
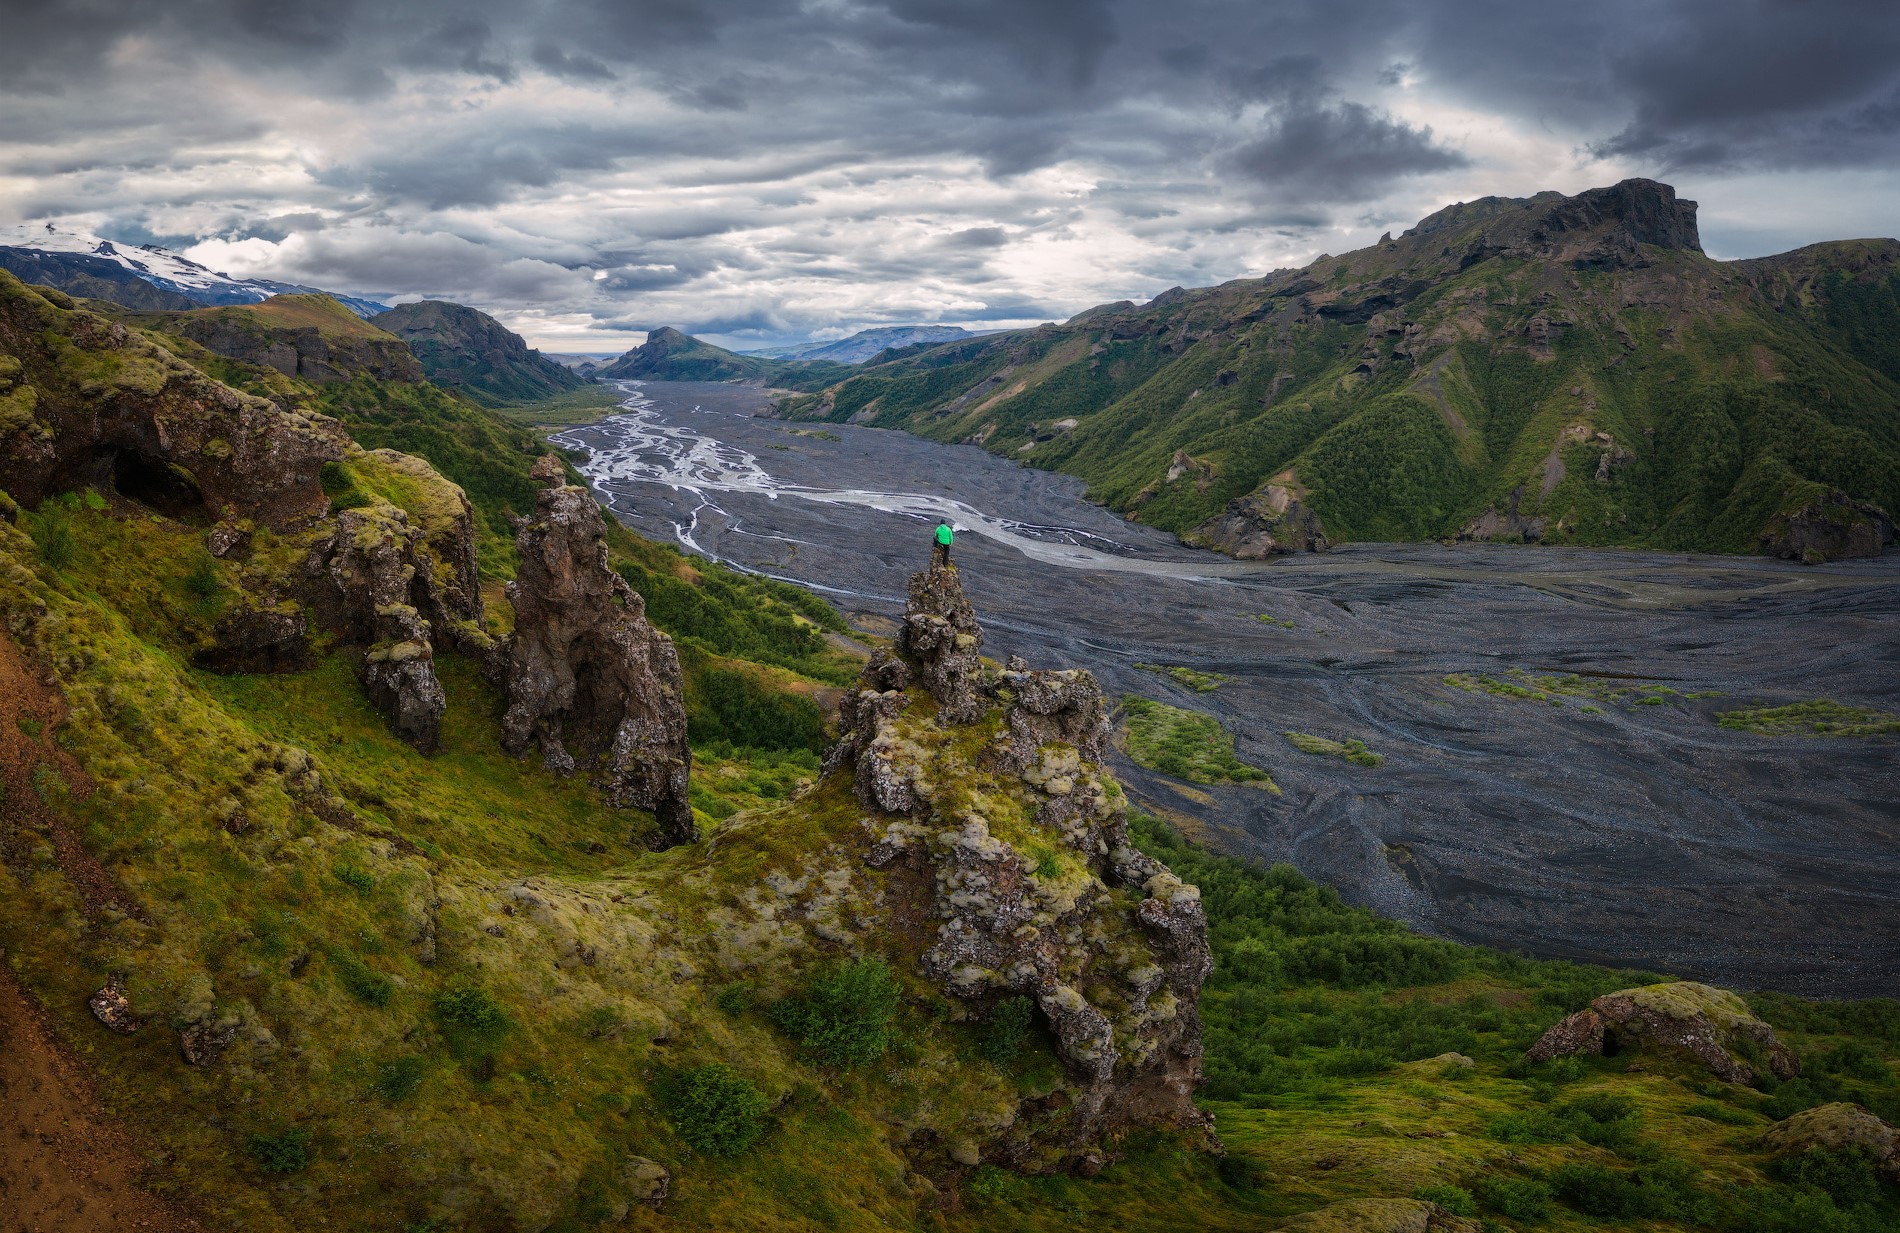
x=986, y=794
x=138, y=418
x=1828, y=528
x=468, y=351
x=589, y=680
x=308, y=336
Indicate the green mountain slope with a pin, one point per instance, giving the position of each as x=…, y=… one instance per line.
x=1571, y=370
x=466, y=350
x=337, y=983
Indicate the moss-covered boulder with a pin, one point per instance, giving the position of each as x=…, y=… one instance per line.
x=1691, y=1022
x=1836, y=1127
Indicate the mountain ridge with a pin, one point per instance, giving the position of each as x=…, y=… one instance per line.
x=1564, y=369
x=465, y=349
x=78, y=259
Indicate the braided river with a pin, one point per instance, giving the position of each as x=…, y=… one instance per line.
x=1637, y=835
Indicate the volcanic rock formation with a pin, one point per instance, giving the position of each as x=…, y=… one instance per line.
x=588, y=679
x=1110, y=946
x=137, y=418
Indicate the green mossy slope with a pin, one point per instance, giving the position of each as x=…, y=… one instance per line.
x=1653, y=398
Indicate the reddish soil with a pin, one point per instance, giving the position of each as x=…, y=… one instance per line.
x=65, y=1167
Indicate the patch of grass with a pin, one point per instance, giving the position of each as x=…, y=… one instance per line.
x=1267, y=618
x=1351, y=749
x=1199, y=682
x=364, y=983
x=1816, y=717
x=843, y=1015
x=1188, y=745
x=716, y=1110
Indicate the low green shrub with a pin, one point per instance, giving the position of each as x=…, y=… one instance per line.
x=843, y=1017
x=1240, y=1172
x=717, y=1111
x=1454, y=1199
x=288, y=1152
x=735, y=999
x=397, y=1080
x=1849, y=1176
x=469, y=1008
x=1007, y=1030
x=1515, y=1198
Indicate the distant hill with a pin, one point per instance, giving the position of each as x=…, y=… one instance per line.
x=1562, y=369
x=669, y=355
x=865, y=344
x=80, y=263
x=463, y=349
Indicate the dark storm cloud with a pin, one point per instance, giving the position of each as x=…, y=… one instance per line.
x=1344, y=152
x=744, y=154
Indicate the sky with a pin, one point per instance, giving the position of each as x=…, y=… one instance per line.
x=757, y=172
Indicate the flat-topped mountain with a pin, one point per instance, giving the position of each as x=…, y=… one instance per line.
x=1562, y=369
x=466, y=350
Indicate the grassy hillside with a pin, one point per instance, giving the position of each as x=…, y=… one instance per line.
x=454, y=992
x=1488, y=374
x=468, y=351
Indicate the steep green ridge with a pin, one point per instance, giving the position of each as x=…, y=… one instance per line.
x=459, y=998
x=468, y=351
x=1573, y=370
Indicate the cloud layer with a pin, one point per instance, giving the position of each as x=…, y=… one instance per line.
x=758, y=171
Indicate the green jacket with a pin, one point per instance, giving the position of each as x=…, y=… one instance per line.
x=945, y=534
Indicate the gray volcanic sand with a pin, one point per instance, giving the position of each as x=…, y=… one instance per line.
x=1644, y=835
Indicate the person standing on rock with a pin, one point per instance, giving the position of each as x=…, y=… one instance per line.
x=941, y=557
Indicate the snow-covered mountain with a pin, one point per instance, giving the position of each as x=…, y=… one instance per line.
x=160, y=267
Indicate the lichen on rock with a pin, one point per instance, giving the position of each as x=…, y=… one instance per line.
x=589, y=680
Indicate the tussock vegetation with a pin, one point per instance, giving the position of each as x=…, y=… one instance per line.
x=1188, y=745
x=1818, y=717
x=1196, y=680
x=1351, y=749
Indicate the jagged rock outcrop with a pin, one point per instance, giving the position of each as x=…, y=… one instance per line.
x=1685, y=1020
x=942, y=641
x=111, y=1007
x=1266, y=522
x=398, y=584
x=1021, y=849
x=589, y=680
x=136, y=418
x=259, y=634
x=1827, y=529
x=1506, y=525
x=1836, y=1127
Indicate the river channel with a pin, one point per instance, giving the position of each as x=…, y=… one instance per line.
x=1638, y=835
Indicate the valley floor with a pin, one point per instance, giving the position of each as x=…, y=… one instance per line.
x=1607, y=815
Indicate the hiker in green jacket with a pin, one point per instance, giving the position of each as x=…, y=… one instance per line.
x=942, y=555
